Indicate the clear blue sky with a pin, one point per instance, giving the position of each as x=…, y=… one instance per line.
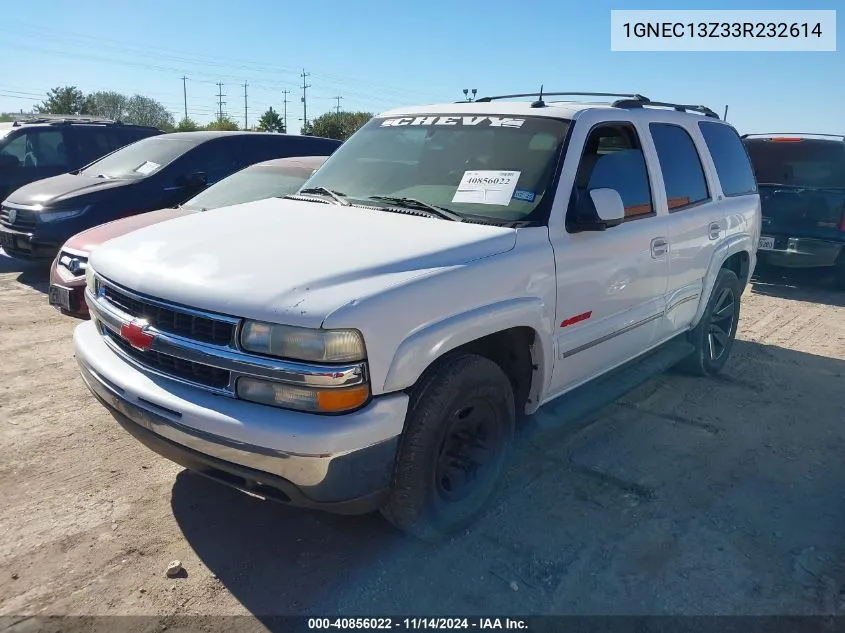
x=378, y=55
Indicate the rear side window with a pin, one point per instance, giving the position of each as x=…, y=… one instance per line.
x=125, y=136
x=798, y=162
x=683, y=175
x=730, y=158
x=93, y=143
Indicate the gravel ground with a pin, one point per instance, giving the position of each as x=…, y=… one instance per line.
x=688, y=496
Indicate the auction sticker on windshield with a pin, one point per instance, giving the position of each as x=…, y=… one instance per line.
x=147, y=168
x=487, y=187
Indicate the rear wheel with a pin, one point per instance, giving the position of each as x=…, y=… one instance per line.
x=714, y=335
x=459, y=429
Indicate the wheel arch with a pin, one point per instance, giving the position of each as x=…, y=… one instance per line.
x=735, y=254
x=512, y=333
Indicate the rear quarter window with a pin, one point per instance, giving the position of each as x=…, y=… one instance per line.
x=730, y=157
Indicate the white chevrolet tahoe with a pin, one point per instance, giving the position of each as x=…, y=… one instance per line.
x=451, y=274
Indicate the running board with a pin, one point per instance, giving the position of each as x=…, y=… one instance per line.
x=579, y=406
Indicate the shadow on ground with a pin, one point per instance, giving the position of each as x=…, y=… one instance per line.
x=35, y=274
x=688, y=496
x=809, y=285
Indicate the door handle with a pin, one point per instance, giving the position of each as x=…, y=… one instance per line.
x=659, y=247
x=715, y=230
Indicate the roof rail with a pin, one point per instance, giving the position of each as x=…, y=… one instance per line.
x=639, y=103
x=65, y=118
x=842, y=136
x=626, y=101
x=542, y=94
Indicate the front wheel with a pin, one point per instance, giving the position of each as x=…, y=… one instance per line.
x=458, y=433
x=714, y=335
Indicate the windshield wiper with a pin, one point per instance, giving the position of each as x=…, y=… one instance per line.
x=334, y=195
x=413, y=203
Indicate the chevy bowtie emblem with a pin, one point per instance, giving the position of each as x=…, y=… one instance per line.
x=135, y=333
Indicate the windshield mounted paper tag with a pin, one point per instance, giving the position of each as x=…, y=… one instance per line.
x=487, y=187
x=147, y=168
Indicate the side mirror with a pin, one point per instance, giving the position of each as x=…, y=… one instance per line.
x=198, y=178
x=600, y=209
x=609, y=206
x=193, y=180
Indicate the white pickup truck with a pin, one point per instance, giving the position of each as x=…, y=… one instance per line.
x=452, y=273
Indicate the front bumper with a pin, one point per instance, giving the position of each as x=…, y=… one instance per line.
x=801, y=252
x=23, y=245
x=341, y=464
x=76, y=292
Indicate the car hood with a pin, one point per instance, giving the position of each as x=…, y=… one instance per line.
x=288, y=261
x=61, y=188
x=87, y=240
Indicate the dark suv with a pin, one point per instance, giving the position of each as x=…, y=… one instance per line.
x=153, y=173
x=38, y=148
x=801, y=180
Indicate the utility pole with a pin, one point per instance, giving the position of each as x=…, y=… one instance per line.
x=246, y=124
x=338, y=103
x=304, y=104
x=285, y=93
x=185, y=94
x=220, y=102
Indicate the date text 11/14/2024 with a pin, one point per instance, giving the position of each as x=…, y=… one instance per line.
x=413, y=624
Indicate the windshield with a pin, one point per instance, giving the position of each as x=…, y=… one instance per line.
x=801, y=163
x=473, y=165
x=140, y=159
x=252, y=183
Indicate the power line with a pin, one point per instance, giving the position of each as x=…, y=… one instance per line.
x=194, y=58
x=285, y=102
x=338, y=103
x=304, y=104
x=220, y=102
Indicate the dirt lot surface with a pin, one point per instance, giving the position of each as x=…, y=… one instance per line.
x=688, y=496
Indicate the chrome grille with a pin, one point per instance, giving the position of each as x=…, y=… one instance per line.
x=24, y=220
x=197, y=373
x=198, y=348
x=169, y=319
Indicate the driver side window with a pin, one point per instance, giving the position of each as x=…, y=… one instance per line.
x=17, y=148
x=613, y=159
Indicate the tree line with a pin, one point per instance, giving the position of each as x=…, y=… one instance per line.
x=141, y=110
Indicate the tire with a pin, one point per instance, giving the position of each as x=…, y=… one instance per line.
x=459, y=393
x=721, y=316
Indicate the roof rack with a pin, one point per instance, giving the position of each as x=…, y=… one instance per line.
x=626, y=101
x=56, y=119
x=842, y=136
x=542, y=94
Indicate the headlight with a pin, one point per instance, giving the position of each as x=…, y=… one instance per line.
x=319, y=346
x=90, y=281
x=55, y=216
x=302, y=398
